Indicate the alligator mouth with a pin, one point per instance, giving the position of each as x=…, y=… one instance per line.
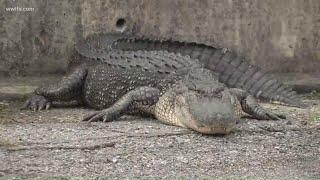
x=206, y=115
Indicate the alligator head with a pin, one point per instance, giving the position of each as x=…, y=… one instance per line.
x=204, y=112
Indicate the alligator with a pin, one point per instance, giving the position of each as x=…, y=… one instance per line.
x=232, y=69
x=188, y=97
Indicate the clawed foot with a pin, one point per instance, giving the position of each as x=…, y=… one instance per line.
x=273, y=116
x=36, y=103
x=104, y=116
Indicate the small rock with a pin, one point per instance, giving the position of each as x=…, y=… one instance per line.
x=4, y=103
x=115, y=159
x=182, y=159
x=304, y=123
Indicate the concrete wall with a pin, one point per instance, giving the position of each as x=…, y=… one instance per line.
x=278, y=35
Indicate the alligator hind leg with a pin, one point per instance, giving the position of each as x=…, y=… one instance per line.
x=148, y=96
x=250, y=106
x=65, y=93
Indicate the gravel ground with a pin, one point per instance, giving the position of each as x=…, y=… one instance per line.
x=56, y=143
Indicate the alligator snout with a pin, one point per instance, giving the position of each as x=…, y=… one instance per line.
x=205, y=115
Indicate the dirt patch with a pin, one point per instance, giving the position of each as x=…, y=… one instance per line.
x=56, y=143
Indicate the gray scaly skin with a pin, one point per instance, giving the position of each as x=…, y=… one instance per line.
x=189, y=97
x=232, y=69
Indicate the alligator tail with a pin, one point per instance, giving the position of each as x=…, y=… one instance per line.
x=235, y=71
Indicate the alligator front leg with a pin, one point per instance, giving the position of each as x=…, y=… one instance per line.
x=148, y=96
x=250, y=106
x=65, y=93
